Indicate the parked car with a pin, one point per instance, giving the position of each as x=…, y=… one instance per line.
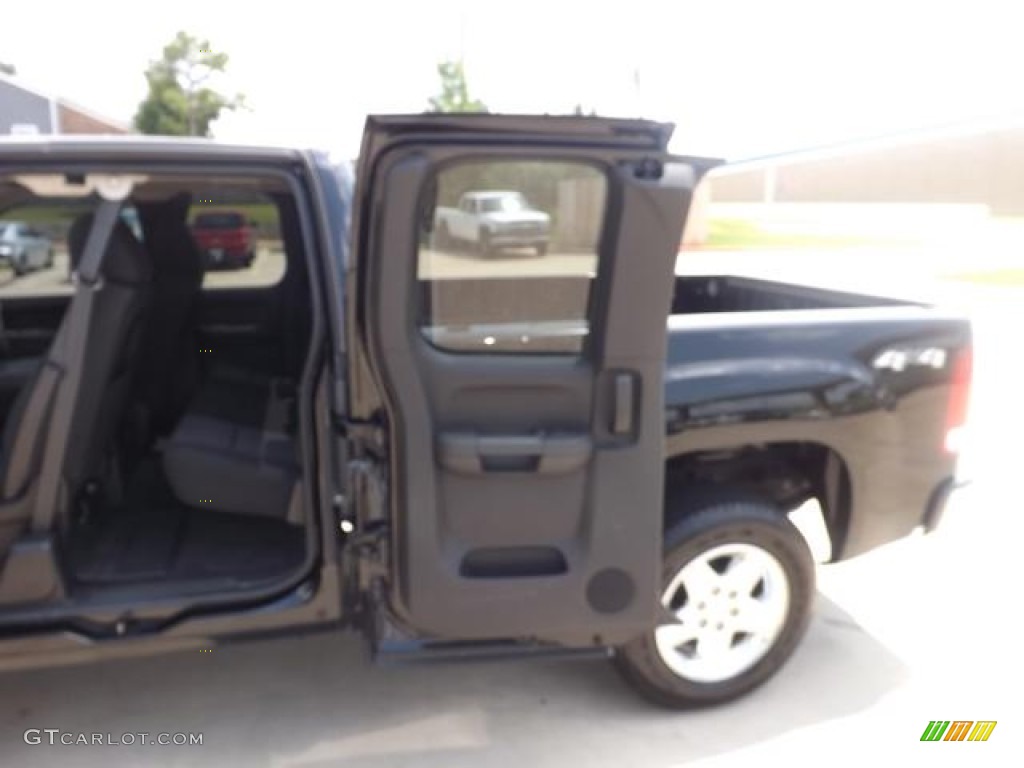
x=24, y=248
x=488, y=221
x=431, y=463
x=227, y=238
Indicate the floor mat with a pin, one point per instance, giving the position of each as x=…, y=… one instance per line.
x=127, y=547
x=185, y=544
x=153, y=537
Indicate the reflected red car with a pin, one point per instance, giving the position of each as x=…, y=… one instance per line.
x=226, y=238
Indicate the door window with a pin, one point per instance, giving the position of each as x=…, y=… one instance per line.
x=515, y=277
x=239, y=236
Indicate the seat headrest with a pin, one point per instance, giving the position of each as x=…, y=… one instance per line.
x=169, y=241
x=173, y=210
x=125, y=260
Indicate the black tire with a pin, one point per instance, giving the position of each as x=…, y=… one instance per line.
x=444, y=238
x=18, y=265
x=49, y=259
x=484, y=247
x=542, y=249
x=699, y=521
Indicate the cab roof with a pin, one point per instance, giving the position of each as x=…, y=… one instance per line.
x=136, y=148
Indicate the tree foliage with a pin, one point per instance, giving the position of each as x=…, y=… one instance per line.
x=454, y=95
x=180, y=101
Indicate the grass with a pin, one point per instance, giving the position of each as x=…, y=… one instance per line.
x=1008, y=276
x=54, y=218
x=264, y=214
x=46, y=216
x=742, y=233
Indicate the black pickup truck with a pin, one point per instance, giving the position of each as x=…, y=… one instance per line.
x=531, y=453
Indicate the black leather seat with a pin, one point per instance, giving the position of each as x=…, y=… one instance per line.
x=234, y=450
x=106, y=380
x=170, y=366
x=228, y=432
x=112, y=355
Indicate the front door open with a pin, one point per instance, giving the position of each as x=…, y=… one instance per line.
x=514, y=280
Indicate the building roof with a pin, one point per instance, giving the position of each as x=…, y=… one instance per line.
x=135, y=148
x=955, y=130
x=74, y=106
x=17, y=81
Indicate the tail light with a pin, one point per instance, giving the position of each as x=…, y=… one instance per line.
x=959, y=399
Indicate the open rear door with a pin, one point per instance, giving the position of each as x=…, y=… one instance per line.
x=513, y=281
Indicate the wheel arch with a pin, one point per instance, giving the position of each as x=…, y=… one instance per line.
x=786, y=473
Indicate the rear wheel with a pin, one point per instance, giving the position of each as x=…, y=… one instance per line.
x=484, y=246
x=18, y=264
x=737, y=589
x=541, y=249
x=444, y=238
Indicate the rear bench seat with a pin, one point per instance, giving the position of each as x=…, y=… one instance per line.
x=234, y=449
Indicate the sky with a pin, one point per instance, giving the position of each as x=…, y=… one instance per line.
x=739, y=78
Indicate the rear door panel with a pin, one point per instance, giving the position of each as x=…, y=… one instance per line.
x=29, y=323
x=526, y=438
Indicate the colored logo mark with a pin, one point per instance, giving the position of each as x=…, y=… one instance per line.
x=958, y=730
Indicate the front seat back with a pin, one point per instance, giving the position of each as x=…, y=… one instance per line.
x=170, y=364
x=112, y=349
x=115, y=329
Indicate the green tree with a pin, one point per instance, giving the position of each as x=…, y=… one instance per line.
x=7, y=69
x=179, y=101
x=454, y=96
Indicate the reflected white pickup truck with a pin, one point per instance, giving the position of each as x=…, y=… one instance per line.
x=489, y=220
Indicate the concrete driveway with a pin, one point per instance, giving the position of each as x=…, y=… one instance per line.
x=923, y=629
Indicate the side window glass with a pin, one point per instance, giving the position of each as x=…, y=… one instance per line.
x=508, y=254
x=33, y=249
x=238, y=232
x=240, y=241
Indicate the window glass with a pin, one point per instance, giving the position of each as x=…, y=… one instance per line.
x=33, y=248
x=237, y=230
x=240, y=238
x=507, y=255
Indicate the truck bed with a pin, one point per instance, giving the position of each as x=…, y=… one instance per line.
x=726, y=293
x=732, y=336
x=753, y=362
